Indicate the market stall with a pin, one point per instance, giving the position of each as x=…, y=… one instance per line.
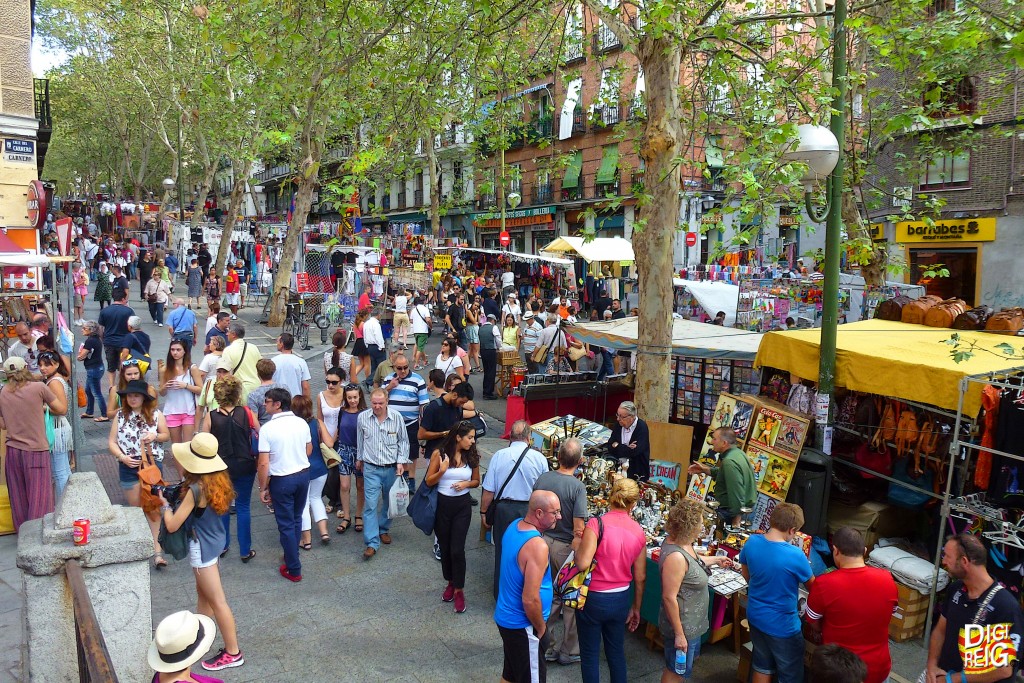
x=545, y=276
x=601, y=263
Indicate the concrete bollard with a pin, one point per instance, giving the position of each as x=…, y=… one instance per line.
x=115, y=566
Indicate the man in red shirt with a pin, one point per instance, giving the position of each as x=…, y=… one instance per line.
x=852, y=606
x=232, y=290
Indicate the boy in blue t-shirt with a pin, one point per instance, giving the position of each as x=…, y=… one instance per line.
x=774, y=570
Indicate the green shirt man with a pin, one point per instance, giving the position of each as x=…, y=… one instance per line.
x=735, y=487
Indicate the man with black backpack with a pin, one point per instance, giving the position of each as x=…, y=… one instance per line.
x=508, y=485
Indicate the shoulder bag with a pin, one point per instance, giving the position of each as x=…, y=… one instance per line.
x=571, y=583
x=416, y=310
x=254, y=434
x=245, y=347
x=491, y=509
x=423, y=508
x=175, y=543
x=149, y=476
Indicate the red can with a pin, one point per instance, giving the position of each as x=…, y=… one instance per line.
x=80, y=531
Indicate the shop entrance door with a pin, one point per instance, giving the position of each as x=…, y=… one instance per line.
x=962, y=265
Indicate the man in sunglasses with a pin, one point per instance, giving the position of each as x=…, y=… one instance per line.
x=407, y=394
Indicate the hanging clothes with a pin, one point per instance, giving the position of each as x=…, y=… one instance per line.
x=990, y=397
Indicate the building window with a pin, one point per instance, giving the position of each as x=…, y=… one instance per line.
x=947, y=170
x=945, y=100
x=572, y=44
x=514, y=173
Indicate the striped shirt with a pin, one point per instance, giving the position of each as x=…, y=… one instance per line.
x=530, y=334
x=382, y=443
x=408, y=396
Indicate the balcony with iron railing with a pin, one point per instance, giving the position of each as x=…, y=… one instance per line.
x=340, y=151
x=541, y=128
x=572, y=50
x=543, y=193
x=574, y=194
x=636, y=181
x=273, y=173
x=605, y=40
x=602, y=190
x=486, y=201
x=637, y=108
x=607, y=116
x=716, y=183
x=579, y=122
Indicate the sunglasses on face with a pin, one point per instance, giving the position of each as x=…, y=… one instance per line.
x=401, y=367
x=48, y=356
x=333, y=383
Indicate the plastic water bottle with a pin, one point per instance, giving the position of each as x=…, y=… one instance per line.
x=680, y=662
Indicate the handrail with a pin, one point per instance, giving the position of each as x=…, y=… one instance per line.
x=94, y=665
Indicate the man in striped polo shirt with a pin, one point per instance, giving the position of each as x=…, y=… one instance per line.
x=407, y=393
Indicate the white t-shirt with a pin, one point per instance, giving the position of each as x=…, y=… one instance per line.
x=508, y=279
x=209, y=363
x=511, y=309
x=285, y=437
x=419, y=316
x=401, y=304
x=290, y=372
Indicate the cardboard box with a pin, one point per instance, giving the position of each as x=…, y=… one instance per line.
x=909, y=617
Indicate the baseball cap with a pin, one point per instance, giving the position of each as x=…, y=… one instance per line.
x=14, y=364
x=491, y=316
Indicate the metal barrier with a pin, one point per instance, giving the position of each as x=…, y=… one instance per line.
x=94, y=665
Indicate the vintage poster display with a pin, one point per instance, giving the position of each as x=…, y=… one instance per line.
x=777, y=476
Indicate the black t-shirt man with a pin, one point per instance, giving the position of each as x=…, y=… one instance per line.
x=456, y=314
x=114, y=322
x=960, y=610
x=439, y=416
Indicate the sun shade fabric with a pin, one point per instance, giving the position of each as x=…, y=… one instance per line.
x=597, y=249
x=692, y=339
x=571, y=180
x=900, y=360
x=713, y=154
x=572, y=98
x=609, y=165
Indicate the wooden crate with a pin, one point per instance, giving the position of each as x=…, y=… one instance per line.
x=909, y=617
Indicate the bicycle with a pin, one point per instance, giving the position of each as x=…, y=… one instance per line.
x=295, y=322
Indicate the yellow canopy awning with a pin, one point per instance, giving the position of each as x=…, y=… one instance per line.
x=911, y=362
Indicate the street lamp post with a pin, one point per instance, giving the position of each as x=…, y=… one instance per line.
x=822, y=150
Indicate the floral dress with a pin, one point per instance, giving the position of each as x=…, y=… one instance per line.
x=194, y=280
x=129, y=434
x=104, y=288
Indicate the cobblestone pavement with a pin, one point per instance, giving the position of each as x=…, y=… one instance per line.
x=348, y=619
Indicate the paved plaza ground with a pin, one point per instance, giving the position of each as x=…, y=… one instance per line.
x=348, y=620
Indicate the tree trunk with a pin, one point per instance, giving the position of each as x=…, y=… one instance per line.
x=435, y=187
x=204, y=189
x=659, y=146
x=237, y=191
x=255, y=200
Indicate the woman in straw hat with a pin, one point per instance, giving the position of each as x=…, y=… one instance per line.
x=180, y=641
x=208, y=496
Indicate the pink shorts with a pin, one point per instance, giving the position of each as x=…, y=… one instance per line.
x=180, y=419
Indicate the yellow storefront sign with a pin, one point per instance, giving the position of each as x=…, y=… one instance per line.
x=442, y=262
x=946, y=231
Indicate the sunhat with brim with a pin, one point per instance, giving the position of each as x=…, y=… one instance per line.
x=199, y=456
x=137, y=386
x=180, y=641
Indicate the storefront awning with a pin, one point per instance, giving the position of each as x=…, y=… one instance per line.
x=597, y=249
x=609, y=165
x=571, y=180
x=911, y=362
x=713, y=154
x=698, y=340
x=514, y=255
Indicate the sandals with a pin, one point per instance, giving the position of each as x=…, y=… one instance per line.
x=328, y=509
x=306, y=546
x=87, y=416
x=359, y=523
x=343, y=527
x=100, y=419
x=341, y=514
x=325, y=539
x=158, y=561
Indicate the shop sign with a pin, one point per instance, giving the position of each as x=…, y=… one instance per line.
x=788, y=220
x=666, y=473
x=518, y=213
x=64, y=236
x=877, y=232
x=943, y=231
x=442, y=262
x=710, y=218
x=36, y=205
x=19, y=151
x=418, y=267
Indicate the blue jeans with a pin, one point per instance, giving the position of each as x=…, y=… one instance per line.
x=288, y=493
x=776, y=655
x=60, y=470
x=603, y=618
x=692, y=652
x=94, y=390
x=607, y=365
x=377, y=357
x=377, y=483
x=156, y=311
x=243, y=514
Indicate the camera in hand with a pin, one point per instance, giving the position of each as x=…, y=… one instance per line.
x=171, y=491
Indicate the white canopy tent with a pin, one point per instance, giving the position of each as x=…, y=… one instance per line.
x=597, y=249
x=23, y=260
x=713, y=296
x=698, y=340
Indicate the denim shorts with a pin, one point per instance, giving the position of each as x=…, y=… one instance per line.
x=773, y=654
x=692, y=652
x=129, y=476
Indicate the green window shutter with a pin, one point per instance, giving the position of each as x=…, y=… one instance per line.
x=571, y=180
x=609, y=165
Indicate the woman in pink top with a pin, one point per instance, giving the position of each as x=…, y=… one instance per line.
x=616, y=544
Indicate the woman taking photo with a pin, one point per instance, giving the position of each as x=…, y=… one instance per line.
x=229, y=423
x=448, y=361
x=27, y=465
x=344, y=441
x=473, y=338
x=156, y=293
x=360, y=354
x=454, y=468
x=55, y=376
x=206, y=494
x=328, y=405
x=139, y=425
x=180, y=384
x=621, y=560
x=510, y=333
x=303, y=408
x=684, y=587
x=91, y=355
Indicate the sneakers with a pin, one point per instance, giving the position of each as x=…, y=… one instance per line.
x=449, y=593
x=567, y=660
x=291, y=577
x=460, y=602
x=234, y=317
x=551, y=655
x=224, y=660
x=437, y=552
